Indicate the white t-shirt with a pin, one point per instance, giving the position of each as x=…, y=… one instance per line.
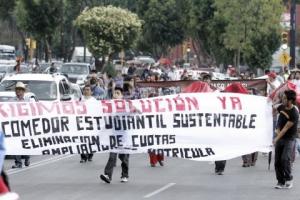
x=276, y=84
x=90, y=98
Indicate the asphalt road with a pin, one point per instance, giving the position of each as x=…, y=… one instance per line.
x=64, y=178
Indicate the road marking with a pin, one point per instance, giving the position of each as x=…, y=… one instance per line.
x=38, y=164
x=159, y=190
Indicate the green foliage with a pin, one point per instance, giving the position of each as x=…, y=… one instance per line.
x=6, y=8
x=108, y=29
x=39, y=17
x=109, y=69
x=263, y=49
x=206, y=30
x=164, y=24
x=247, y=21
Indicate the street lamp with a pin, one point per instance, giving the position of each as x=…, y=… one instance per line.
x=188, y=50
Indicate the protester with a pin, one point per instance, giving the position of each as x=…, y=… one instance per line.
x=233, y=88
x=87, y=97
x=108, y=171
x=286, y=73
x=52, y=69
x=172, y=74
x=284, y=141
x=5, y=193
x=155, y=157
x=272, y=83
x=250, y=159
x=20, y=89
x=17, y=67
x=97, y=91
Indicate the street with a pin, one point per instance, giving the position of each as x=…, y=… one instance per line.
x=63, y=177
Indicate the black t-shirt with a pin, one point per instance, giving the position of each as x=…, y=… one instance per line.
x=286, y=115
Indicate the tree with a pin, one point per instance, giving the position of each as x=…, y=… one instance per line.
x=164, y=24
x=6, y=8
x=108, y=29
x=247, y=20
x=263, y=49
x=40, y=18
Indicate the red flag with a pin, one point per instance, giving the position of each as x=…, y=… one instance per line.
x=198, y=86
x=236, y=88
x=276, y=95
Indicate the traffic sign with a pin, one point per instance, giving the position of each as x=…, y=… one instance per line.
x=284, y=58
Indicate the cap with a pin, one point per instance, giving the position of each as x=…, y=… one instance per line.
x=272, y=75
x=20, y=85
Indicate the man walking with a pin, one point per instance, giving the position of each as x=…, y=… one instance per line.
x=111, y=163
x=284, y=141
x=87, y=97
x=20, y=92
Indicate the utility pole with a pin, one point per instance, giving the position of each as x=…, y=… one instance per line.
x=293, y=34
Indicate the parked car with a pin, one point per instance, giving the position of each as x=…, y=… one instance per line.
x=10, y=96
x=76, y=72
x=145, y=59
x=45, y=86
x=6, y=70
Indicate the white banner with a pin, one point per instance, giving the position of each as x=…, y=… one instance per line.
x=203, y=126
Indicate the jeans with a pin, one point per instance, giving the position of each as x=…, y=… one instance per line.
x=283, y=158
x=220, y=166
x=112, y=162
x=18, y=159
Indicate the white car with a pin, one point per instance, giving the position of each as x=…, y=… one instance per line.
x=76, y=72
x=10, y=96
x=46, y=87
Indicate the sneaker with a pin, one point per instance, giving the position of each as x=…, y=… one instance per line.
x=82, y=161
x=124, y=179
x=27, y=163
x=90, y=159
x=9, y=196
x=16, y=166
x=161, y=163
x=105, y=178
x=279, y=186
x=288, y=184
x=219, y=172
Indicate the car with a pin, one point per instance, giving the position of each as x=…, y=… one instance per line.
x=76, y=72
x=6, y=70
x=44, y=67
x=47, y=87
x=7, y=54
x=11, y=95
x=145, y=59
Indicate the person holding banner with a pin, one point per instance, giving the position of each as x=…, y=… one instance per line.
x=111, y=163
x=87, y=97
x=284, y=142
x=155, y=157
x=233, y=88
x=20, y=89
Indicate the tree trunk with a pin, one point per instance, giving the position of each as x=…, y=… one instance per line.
x=238, y=60
x=100, y=64
x=48, y=53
